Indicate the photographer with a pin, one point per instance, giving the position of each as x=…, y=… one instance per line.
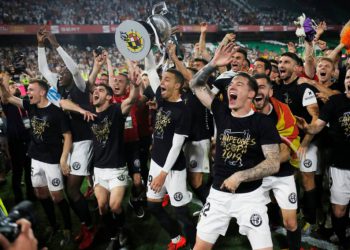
x=25, y=240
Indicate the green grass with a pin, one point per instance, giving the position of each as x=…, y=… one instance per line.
x=144, y=234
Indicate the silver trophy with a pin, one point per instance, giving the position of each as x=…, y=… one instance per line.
x=134, y=39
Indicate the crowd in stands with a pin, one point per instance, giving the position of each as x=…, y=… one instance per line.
x=82, y=12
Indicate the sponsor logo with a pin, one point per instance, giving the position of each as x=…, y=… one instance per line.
x=178, y=196
x=307, y=163
x=292, y=198
x=56, y=182
x=76, y=165
x=256, y=220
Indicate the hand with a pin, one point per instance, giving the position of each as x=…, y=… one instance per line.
x=322, y=44
x=41, y=36
x=302, y=152
x=223, y=55
x=152, y=104
x=301, y=123
x=322, y=26
x=322, y=96
x=99, y=60
x=65, y=167
x=232, y=182
x=172, y=50
x=25, y=240
x=135, y=77
x=88, y=116
x=175, y=29
x=158, y=182
x=291, y=47
x=204, y=27
x=52, y=39
x=229, y=37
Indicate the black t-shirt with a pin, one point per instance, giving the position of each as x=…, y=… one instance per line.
x=297, y=96
x=201, y=119
x=47, y=126
x=15, y=126
x=337, y=112
x=80, y=128
x=108, y=138
x=238, y=144
x=170, y=118
x=286, y=169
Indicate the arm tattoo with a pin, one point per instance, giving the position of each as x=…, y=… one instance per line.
x=201, y=77
x=267, y=167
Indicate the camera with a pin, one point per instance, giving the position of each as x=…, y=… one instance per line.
x=8, y=226
x=99, y=50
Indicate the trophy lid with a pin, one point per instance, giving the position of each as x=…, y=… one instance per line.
x=132, y=40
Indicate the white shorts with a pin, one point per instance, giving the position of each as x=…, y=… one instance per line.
x=80, y=158
x=45, y=174
x=339, y=182
x=248, y=208
x=310, y=162
x=175, y=184
x=197, y=156
x=110, y=178
x=284, y=190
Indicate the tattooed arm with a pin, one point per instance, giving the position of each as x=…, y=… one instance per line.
x=267, y=167
x=199, y=86
x=223, y=56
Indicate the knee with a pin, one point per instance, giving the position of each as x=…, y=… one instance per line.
x=56, y=198
x=73, y=194
x=41, y=193
x=196, y=180
x=115, y=206
x=137, y=179
x=290, y=224
x=338, y=212
x=308, y=180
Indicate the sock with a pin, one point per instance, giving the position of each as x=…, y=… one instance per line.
x=64, y=208
x=339, y=227
x=319, y=189
x=167, y=223
x=310, y=206
x=294, y=239
x=273, y=212
x=176, y=239
x=201, y=192
x=81, y=209
x=182, y=214
x=49, y=211
x=119, y=219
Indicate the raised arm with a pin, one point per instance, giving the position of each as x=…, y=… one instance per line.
x=135, y=83
x=178, y=64
x=99, y=60
x=310, y=64
x=42, y=61
x=69, y=62
x=151, y=69
x=223, y=56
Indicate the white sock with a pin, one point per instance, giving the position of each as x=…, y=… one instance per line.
x=176, y=239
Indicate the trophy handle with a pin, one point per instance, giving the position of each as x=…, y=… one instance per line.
x=163, y=9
